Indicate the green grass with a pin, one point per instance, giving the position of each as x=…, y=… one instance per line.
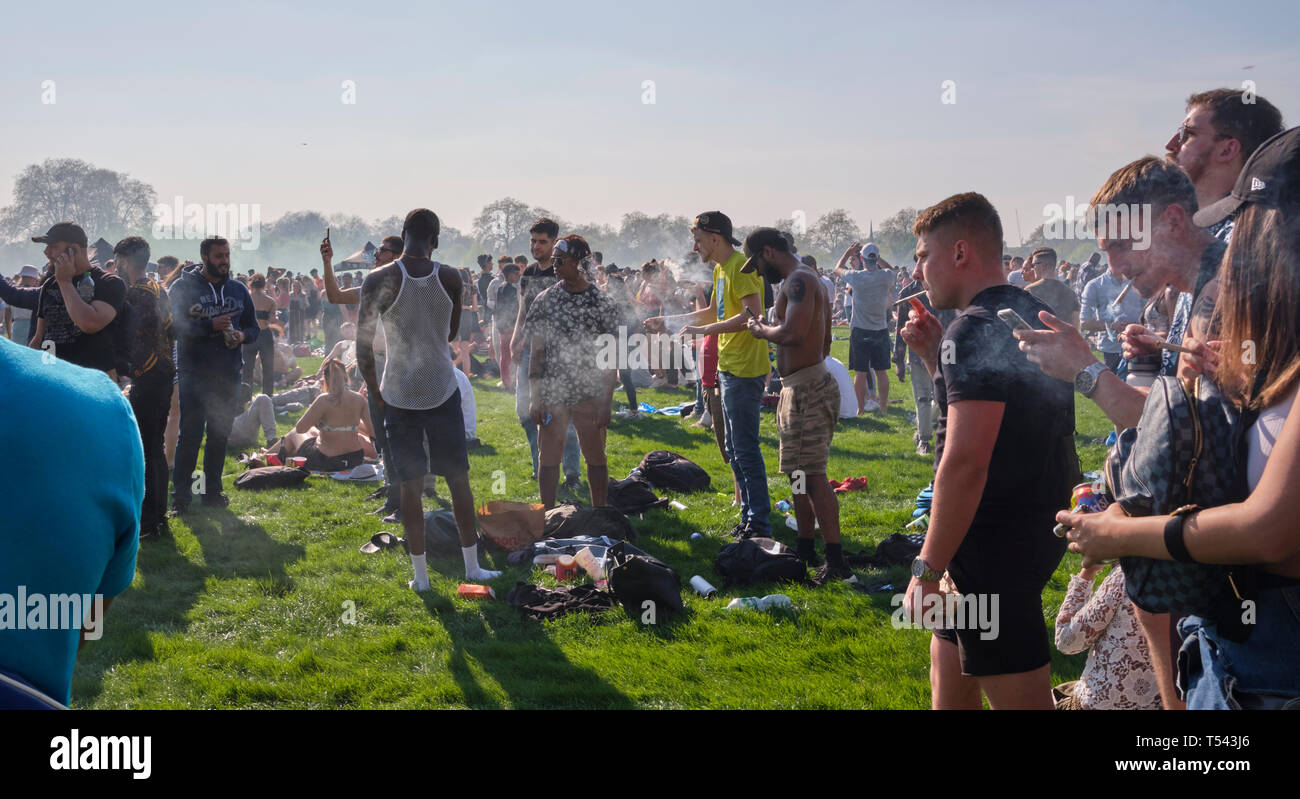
x=245, y=607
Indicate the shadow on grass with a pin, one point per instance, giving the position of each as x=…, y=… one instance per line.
x=173, y=583
x=522, y=659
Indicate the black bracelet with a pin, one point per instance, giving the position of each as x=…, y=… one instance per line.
x=1174, y=539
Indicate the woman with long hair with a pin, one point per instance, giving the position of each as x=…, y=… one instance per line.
x=264, y=347
x=1256, y=362
x=327, y=434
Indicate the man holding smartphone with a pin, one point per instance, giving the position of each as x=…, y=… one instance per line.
x=1005, y=459
x=78, y=303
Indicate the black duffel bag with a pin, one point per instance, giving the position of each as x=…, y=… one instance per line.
x=759, y=560
x=271, y=477
x=663, y=469
x=637, y=579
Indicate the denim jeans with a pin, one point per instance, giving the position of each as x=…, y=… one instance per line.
x=207, y=407
x=741, y=397
x=1217, y=674
x=523, y=397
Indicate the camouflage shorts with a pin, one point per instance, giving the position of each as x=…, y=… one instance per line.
x=806, y=417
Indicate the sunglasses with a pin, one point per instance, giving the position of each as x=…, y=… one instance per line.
x=1185, y=133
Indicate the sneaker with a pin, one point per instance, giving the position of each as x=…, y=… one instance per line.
x=385, y=509
x=154, y=533
x=742, y=531
x=870, y=406
x=706, y=421
x=215, y=501
x=571, y=484
x=430, y=487
x=394, y=518
x=178, y=509
x=812, y=562
x=379, y=493
x=830, y=573
x=923, y=448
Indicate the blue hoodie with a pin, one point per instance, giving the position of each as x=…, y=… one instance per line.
x=195, y=301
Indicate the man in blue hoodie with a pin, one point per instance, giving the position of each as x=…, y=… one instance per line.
x=212, y=316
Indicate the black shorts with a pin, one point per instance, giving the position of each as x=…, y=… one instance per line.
x=468, y=325
x=441, y=429
x=868, y=350
x=317, y=461
x=1013, y=564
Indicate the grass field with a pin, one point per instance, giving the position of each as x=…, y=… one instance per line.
x=246, y=607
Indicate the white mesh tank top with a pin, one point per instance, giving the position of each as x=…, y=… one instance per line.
x=417, y=367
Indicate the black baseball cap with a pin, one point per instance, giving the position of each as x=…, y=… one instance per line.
x=716, y=222
x=1271, y=178
x=63, y=231
x=756, y=241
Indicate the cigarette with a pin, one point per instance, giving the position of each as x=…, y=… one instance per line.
x=1165, y=345
x=910, y=297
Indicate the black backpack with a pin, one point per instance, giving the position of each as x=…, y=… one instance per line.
x=271, y=477
x=637, y=579
x=759, y=560
x=633, y=495
x=663, y=469
x=569, y=520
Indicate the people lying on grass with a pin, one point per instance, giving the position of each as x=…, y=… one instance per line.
x=287, y=370
x=327, y=434
x=566, y=380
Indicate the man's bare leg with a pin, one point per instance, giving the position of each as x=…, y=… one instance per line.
x=1028, y=690
x=882, y=389
x=412, y=503
x=462, y=506
x=949, y=688
x=860, y=388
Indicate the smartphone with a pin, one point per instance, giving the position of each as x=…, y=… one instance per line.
x=327, y=234
x=1013, y=320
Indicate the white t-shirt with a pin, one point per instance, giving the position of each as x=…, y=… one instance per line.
x=467, y=406
x=848, y=399
x=1261, y=437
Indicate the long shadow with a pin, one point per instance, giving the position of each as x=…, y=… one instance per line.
x=232, y=548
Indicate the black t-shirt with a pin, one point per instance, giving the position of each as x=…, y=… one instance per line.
x=91, y=350
x=484, y=280
x=1034, y=464
x=507, y=305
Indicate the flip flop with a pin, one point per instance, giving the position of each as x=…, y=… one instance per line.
x=380, y=541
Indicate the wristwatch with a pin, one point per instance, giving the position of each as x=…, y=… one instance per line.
x=923, y=572
x=1085, y=382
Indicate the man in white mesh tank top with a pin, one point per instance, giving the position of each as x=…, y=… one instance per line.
x=418, y=302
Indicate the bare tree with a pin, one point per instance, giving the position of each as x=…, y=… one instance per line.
x=105, y=203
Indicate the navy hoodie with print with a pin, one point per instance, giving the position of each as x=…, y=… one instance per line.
x=195, y=301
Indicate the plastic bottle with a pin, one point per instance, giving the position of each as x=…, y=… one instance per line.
x=791, y=523
x=676, y=505
x=592, y=566
x=768, y=602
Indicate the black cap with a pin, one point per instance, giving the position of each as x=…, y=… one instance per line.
x=716, y=222
x=63, y=231
x=756, y=241
x=1270, y=178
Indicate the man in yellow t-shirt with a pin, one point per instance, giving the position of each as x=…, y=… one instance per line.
x=742, y=361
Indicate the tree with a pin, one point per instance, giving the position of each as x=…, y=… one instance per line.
x=103, y=202
x=643, y=237
x=895, y=238
x=503, y=225
x=834, y=232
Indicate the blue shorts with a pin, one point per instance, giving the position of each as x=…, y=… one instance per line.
x=440, y=429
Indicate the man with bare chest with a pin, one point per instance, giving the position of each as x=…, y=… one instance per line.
x=810, y=397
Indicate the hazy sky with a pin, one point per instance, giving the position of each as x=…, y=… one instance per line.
x=760, y=109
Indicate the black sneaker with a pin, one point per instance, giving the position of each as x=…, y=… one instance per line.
x=571, y=484
x=379, y=493
x=812, y=561
x=215, y=501
x=178, y=509
x=385, y=509
x=742, y=531
x=151, y=533
x=831, y=572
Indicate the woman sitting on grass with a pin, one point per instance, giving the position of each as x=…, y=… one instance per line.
x=327, y=434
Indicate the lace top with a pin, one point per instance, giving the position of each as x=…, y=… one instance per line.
x=1118, y=674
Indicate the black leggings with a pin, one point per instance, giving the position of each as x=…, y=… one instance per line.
x=626, y=376
x=264, y=346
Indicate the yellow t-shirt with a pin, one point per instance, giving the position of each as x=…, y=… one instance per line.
x=738, y=353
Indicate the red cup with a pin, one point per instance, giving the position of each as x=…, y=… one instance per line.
x=565, y=568
x=298, y=462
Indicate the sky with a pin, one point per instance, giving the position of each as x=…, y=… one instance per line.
x=760, y=109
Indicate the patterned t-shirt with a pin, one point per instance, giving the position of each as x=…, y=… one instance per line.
x=570, y=324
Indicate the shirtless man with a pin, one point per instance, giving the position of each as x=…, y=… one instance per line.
x=418, y=302
x=810, y=397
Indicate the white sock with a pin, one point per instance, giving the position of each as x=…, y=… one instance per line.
x=472, y=570
x=421, y=581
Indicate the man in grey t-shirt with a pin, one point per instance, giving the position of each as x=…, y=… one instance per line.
x=872, y=283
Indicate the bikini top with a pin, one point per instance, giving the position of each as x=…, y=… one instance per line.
x=325, y=428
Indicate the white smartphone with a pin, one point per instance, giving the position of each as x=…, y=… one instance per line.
x=1013, y=320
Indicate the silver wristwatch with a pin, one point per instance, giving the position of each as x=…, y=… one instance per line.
x=923, y=572
x=1085, y=382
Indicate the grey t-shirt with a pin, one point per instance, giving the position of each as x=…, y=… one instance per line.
x=871, y=295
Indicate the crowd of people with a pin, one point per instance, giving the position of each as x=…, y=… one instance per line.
x=997, y=347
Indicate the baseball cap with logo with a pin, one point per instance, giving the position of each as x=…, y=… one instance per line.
x=716, y=222
x=69, y=232
x=756, y=241
x=1270, y=178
